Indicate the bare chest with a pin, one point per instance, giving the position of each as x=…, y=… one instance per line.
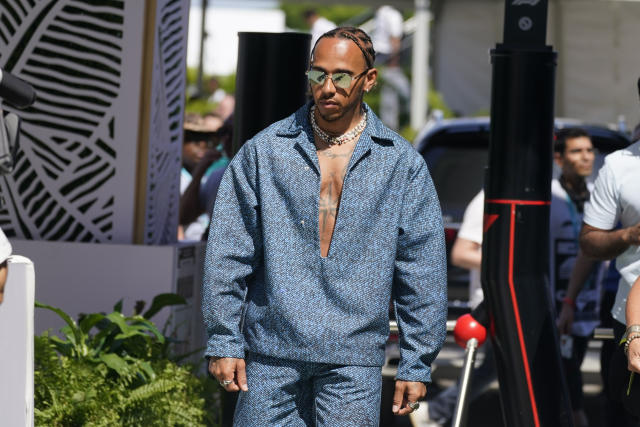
x=333, y=169
x=334, y=162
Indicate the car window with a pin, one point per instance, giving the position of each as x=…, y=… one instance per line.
x=457, y=157
x=458, y=175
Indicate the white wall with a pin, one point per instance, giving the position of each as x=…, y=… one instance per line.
x=596, y=41
x=223, y=24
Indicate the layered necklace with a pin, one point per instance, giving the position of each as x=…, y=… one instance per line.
x=340, y=139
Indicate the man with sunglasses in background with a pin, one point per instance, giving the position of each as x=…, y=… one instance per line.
x=320, y=220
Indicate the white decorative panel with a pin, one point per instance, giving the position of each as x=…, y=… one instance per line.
x=165, y=136
x=76, y=173
x=74, y=178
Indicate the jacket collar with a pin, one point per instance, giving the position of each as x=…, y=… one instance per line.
x=299, y=121
x=298, y=126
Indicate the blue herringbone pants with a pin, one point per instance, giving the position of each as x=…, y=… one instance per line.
x=286, y=392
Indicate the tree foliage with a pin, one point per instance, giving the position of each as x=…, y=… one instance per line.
x=340, y=14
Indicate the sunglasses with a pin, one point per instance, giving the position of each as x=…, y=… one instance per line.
x=341, y=80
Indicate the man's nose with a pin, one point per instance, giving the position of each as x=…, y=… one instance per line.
x=328, y=86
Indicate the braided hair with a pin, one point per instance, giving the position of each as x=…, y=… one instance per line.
x=356, y=35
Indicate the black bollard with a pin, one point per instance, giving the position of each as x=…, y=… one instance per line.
x=270, y=82
x=270, y=85
x=515, y=265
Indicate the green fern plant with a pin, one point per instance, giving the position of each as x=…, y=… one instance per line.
x=110, y=370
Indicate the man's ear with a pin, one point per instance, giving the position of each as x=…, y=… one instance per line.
x=371, y=79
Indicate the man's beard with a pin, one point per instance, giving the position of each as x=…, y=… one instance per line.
x=332, y=117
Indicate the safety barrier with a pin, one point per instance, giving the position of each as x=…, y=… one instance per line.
x=471, y=346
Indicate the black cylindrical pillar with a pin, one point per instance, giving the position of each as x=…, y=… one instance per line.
x=515, y=265
x=270, y=82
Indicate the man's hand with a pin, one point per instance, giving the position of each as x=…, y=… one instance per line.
x=565, y=319
x=633, y=356
x=229, y=369
x=407, y=391
x=631, y=235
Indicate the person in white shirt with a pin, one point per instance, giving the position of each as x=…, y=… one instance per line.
x=387, y=40
x=578, y=309
x=318, y=24
x=616, y=199
x=467, y=249
x=387, y=36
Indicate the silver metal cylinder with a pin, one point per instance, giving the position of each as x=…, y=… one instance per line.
x=460, y=414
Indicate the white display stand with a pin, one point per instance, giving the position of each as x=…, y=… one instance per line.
x=87, y=278
x=16, y=342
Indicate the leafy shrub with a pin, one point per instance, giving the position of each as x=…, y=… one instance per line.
x=112, y=369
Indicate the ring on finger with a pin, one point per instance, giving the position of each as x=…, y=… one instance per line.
x=225, y=383
x=413, y=405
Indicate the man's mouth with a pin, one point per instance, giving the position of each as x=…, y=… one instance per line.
x=328, y=104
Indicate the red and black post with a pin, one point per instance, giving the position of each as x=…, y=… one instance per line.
x=515, y=266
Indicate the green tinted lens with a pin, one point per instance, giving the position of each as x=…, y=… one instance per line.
x=342, y=80
x=316, y=77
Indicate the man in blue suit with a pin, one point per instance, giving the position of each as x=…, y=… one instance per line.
x=320, y=220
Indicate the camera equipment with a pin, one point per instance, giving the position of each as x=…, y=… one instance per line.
x=9, y=135
x=15, y=91
x=21, y=95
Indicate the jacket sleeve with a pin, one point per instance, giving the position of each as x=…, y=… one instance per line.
x=234, y=249
x=420, y=278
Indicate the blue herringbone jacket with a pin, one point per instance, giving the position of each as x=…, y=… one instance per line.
x=268, y=290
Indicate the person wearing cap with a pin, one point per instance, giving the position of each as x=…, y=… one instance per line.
x=199, y=197
x=197, y=158
x=320, y=220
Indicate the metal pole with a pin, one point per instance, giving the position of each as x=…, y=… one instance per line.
x=420, y=66
x=270, y=81
x=460, y=414
x=603, y=334
x=451, y=324
x=515, y=267
x=203, y=36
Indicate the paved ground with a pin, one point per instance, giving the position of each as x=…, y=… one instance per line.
x=485, y=411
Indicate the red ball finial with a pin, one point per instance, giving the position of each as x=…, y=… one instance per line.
x=466, y=328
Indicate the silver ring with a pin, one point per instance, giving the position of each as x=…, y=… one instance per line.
x=413, y=405
x=225, y=383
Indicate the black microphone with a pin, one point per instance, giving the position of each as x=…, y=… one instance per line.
x=15, y=91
